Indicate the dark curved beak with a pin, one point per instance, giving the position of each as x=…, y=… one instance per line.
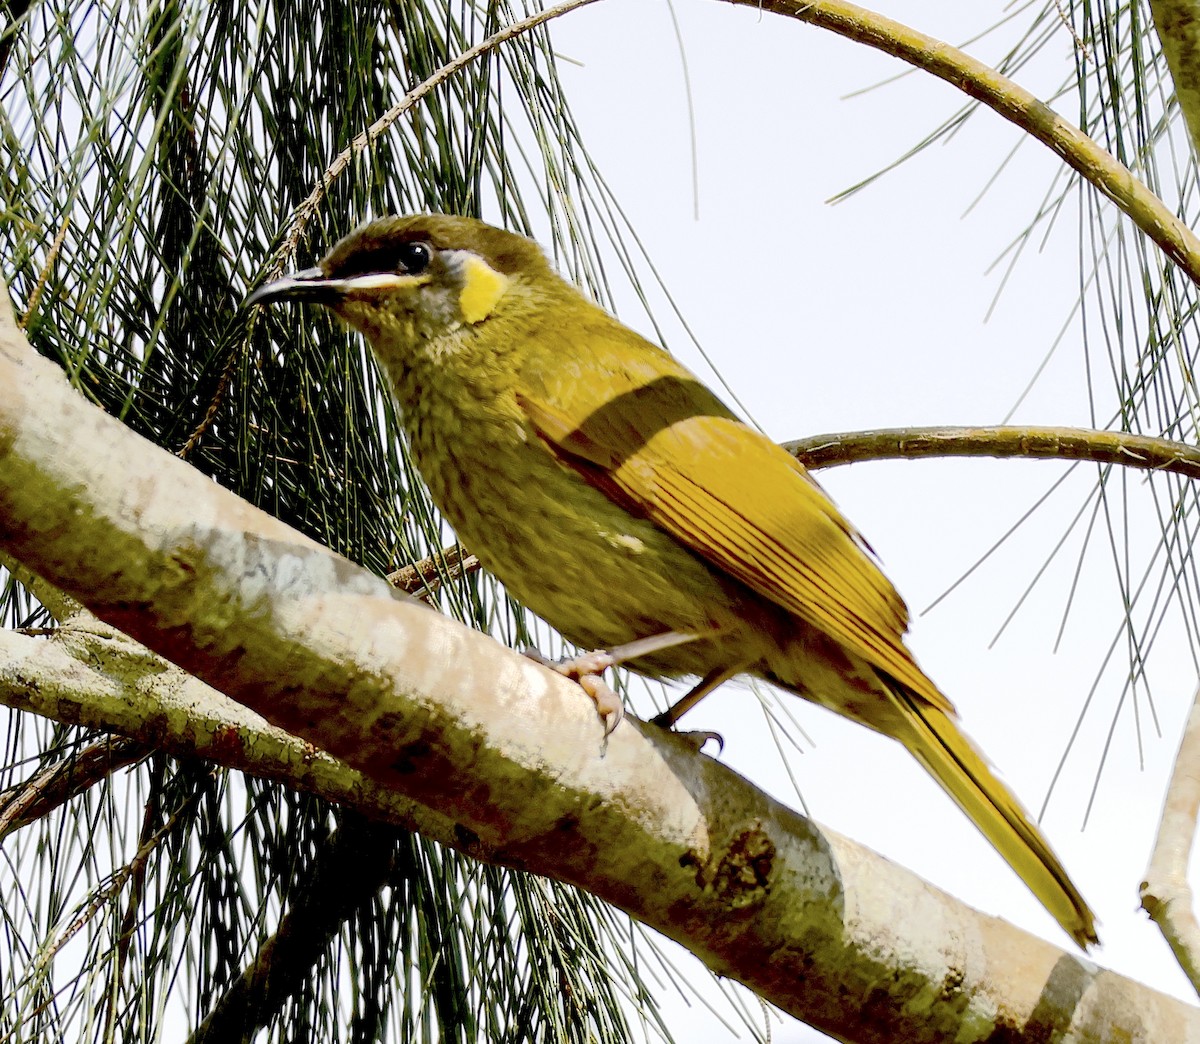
x=307, y=285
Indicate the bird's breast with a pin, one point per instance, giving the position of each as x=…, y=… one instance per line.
x=594, y=571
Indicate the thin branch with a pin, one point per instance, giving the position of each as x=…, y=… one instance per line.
x=423, y=578
x=54, y=785
x=61, y=607
x=137, y=889
x=1166, y=895
x=829, y=451
x=1101, y=447
x=364, y=140
x=105, y=894
x=40, y=287
x=1011, y=101
x=214, y=405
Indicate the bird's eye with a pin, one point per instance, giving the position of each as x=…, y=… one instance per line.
x=413, y=258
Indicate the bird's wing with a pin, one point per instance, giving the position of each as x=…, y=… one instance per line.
x=666, y=448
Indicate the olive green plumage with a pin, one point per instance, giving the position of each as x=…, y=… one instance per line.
x=617, y=497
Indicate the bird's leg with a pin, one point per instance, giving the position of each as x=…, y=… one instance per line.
x=668, y=718
x=588, y=669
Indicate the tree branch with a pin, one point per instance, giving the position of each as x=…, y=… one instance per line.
x=1102, y=447
x=62, y=781
x=58, y=605
x=1166, y=895
x=308, y=207
x=93, y=675
x=422, y=579
x=512, y=754
x=1011, y=101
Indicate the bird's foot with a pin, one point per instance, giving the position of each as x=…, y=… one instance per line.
x=668, y=718
x=588, y=670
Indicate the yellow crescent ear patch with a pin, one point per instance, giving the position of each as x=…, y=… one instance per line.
x=482, y=287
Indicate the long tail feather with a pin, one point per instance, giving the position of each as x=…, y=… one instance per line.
x=949, y=756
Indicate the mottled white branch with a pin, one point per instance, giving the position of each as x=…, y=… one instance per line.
x=1166, y=895
x=92, y=675
x=512, y=754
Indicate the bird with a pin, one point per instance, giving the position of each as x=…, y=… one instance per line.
x=618, y=498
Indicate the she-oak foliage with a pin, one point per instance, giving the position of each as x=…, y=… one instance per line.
x=153, y=158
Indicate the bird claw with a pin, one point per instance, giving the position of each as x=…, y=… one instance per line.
x=587, y=669
x=696, y=739
x=608, y=703
x=701, y=737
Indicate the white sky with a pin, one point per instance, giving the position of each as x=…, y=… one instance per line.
x=869, y=314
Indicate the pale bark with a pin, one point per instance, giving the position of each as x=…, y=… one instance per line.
x=91, y=674
x=1166, y=895
x=507, y=756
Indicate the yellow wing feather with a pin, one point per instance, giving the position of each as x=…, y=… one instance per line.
x=669, y=450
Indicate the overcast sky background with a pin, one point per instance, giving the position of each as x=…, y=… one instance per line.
x=871, y=313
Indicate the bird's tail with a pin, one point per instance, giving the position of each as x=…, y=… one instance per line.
x=934, y=739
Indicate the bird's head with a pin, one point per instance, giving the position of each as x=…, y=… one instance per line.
x=403, y=280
